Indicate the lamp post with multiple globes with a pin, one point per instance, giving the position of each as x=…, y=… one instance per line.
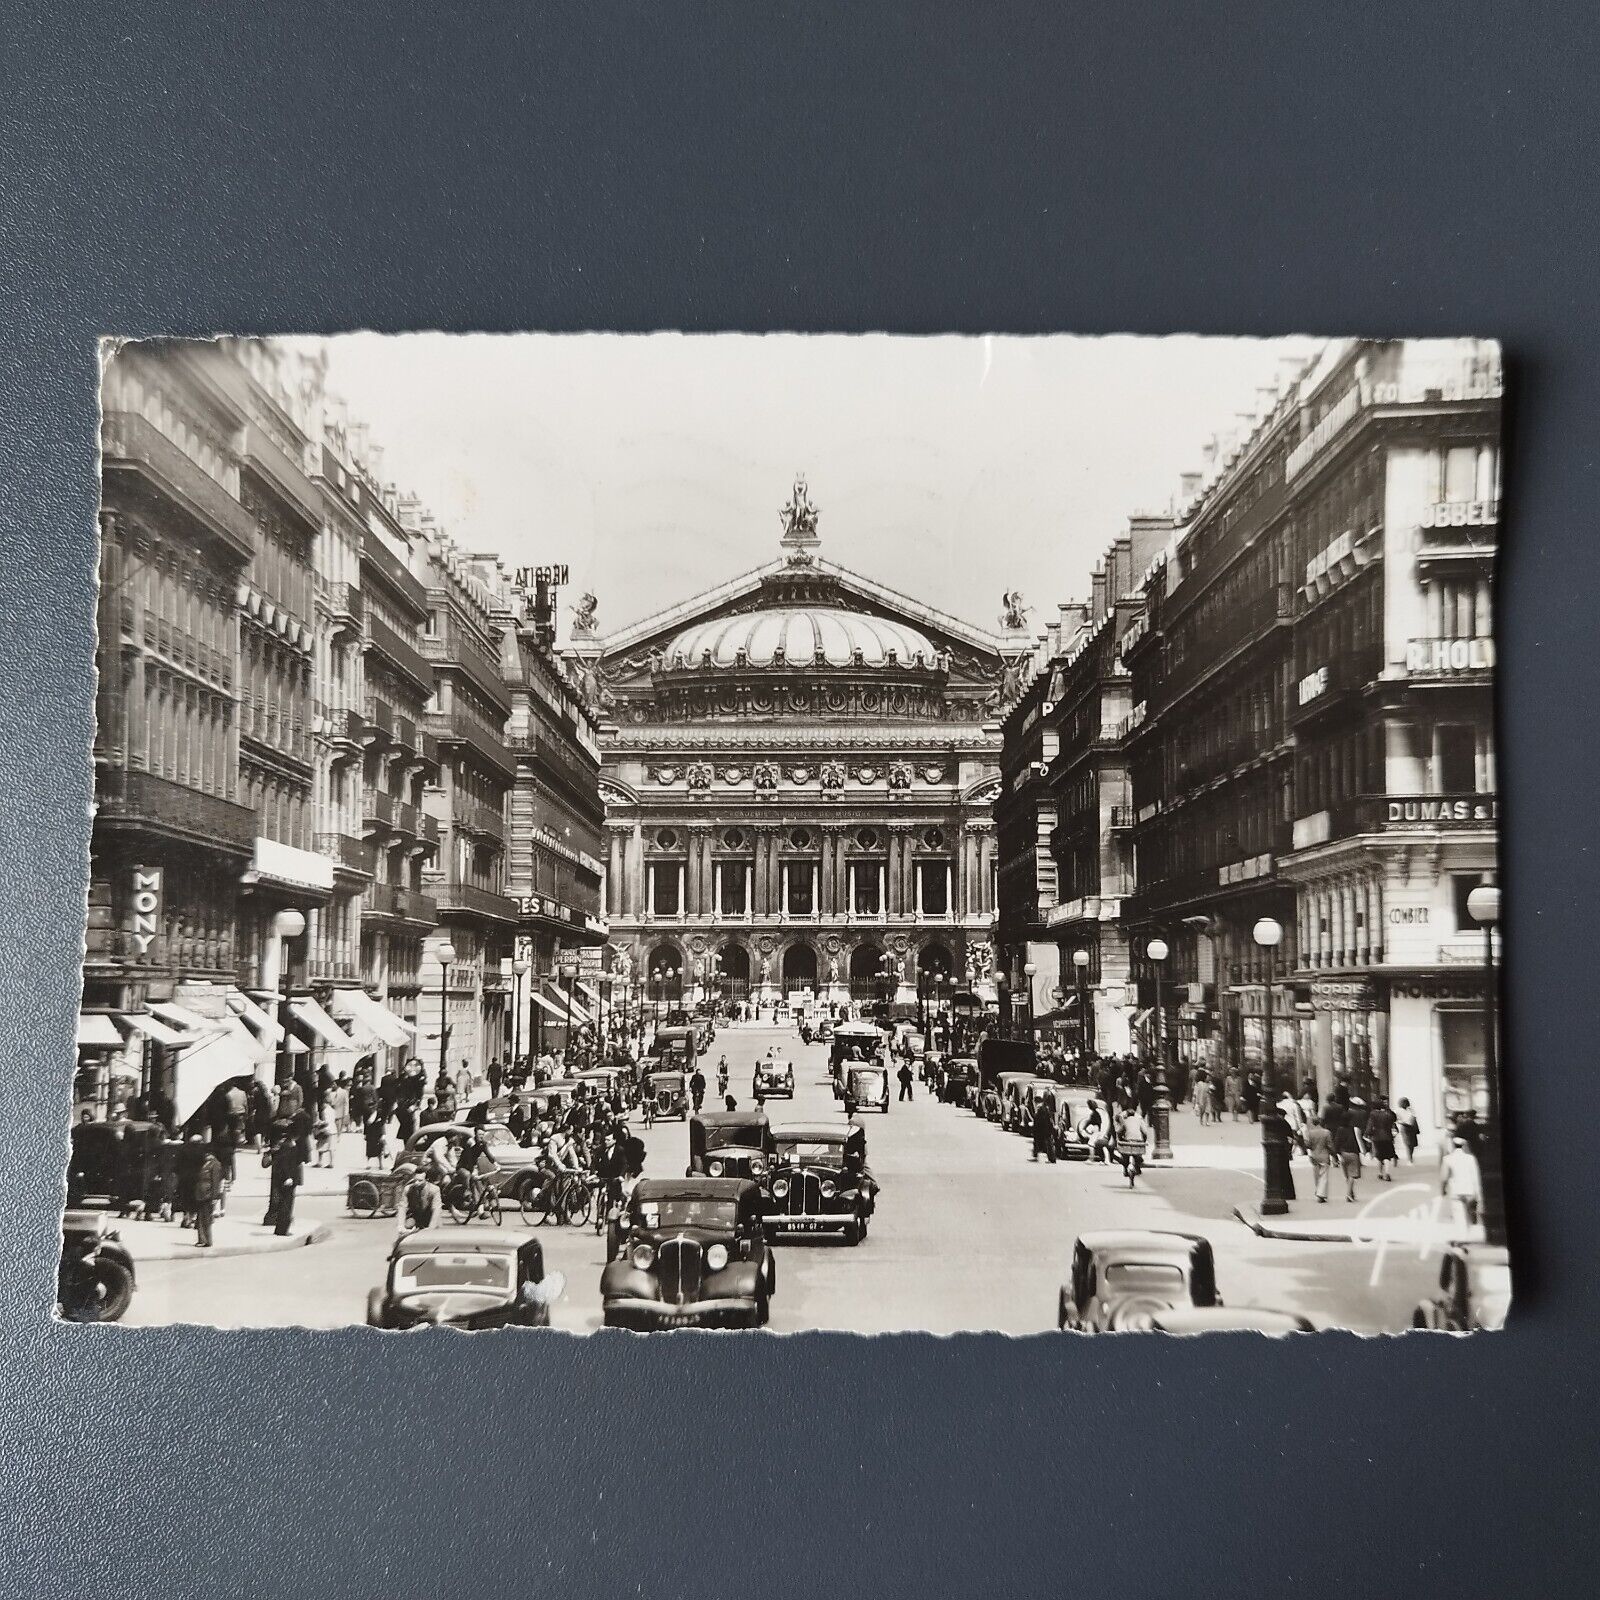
x=1080, y=968
x=1157, y=952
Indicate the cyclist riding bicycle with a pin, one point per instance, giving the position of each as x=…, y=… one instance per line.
x=473, y=1165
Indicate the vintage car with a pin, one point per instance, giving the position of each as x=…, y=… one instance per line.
x=548, y=1104
x=819, y=1181
x=689, y=1253
x=518, y=1160
x=1029, y=1094
x=126, y=1165
x=667, y=1092
x=602, y=1081
x=1230, y=1319
x=772, y=1077
x=957, y=1083
x=1071, y=1109
x=853, y=1042
x=865, y=1088
x=1474, y=1291
x=462, y=1277
x=1007, y=1101
x=823, y=1032
x=94, y=1278
x=1122, y=1279
x=729, y=1144
x=676, y=1046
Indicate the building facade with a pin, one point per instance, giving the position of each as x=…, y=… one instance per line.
x=797, y=774
x=1312, y=740
x=301, y=759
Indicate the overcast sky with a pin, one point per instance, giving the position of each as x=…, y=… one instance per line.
x=949, y=468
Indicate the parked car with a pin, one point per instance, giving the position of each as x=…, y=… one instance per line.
x=819, y=1181
x=958, y=1080
x=95, y=1277
x=1028, y=1096
x=1122, y=1279
x=1230, y=1319
x=1474, y=1291
x=1071, y=1109
x=773, y=1077
x=854, y=1043
x=518, y=1160
x=689, y=1253
x=1008, y=1106
x=668, y=1093
x=464, y=1277
x=729, y=1144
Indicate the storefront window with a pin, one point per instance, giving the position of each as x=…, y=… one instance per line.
x=1466, y=1083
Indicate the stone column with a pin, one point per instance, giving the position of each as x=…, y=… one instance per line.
x=635, y=903
x=830, y=844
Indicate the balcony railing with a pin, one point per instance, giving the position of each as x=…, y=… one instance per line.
x=399, y=652
x=286, y=475
x=129, y=443
x=396, y=900
x=483, y=675
x=450, y=729
x=466, y=899
x=478, y=818
x=141, y=799
x=344, y=601
x=381, y=561
x=348, y=853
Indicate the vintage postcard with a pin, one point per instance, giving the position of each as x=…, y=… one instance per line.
x=871, y=834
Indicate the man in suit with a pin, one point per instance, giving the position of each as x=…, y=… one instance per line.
x=207, y=1190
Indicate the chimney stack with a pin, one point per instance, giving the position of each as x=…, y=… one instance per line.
x=1072, y=619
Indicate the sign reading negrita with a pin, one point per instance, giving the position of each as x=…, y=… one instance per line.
x=144, y=915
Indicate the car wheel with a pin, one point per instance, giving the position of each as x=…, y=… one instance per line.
x=852, y=1231
x=772, y=1274
x=1419, y=1318
x=112, y=1293
x=375, y=1308
x=762, y=1314
x=1061, y=1313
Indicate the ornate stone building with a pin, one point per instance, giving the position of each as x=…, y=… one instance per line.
x=798, y=768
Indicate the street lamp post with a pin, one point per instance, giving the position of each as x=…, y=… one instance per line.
x=1080, y=968
x=1277, y=1183
x=1157, y=952
x=286, y=926
x=446, y=952
x=519, y=971
x=1483, y=906
x=1028, y=971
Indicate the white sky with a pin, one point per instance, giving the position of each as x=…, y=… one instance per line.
x=949, y=468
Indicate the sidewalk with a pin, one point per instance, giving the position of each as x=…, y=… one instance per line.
x=238, y=1234
x=252, y=1181
x=1402, y=1213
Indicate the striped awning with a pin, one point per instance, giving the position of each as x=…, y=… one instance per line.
x=367, y=1019
x=548, y=1005
x=309, y=1013
x=97, y=1031
x=155, y=1028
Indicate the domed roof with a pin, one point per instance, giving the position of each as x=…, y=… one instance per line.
x=800, y=636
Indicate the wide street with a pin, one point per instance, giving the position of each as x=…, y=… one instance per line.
x=970, y=1233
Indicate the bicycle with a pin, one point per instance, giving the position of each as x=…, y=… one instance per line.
x=562, y=1195
x=468, y=1197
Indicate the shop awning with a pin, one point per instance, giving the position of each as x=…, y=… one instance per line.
x=593, y=994
x=308, y=1012
x=208, y=1064
x=155, y=1028
x=546, y=1005
x=243, y=1006
x=178, y=1017
x=96, y=1031
x=371, y=1020
x=578, y=1013
x=1142, y=1017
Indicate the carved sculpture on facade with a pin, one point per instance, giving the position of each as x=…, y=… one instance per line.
x=583, y=617
x=766, y=776
x=700, y=776
x=833, y=775
x=799, y=519
x=1013, y=611
x=899, y=776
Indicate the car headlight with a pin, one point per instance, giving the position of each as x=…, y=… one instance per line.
x=716, y=1169
x=717, y=1257
x=780, y=1187
x=758, y=1166
x=829, y=1188
x=641, y=1256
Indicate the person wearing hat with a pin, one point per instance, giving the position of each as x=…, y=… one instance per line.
x=1346, y=1143
x=206, y=1190
x=1461, y=1182
x=1381, y=1123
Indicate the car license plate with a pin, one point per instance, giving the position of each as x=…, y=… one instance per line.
x=807, y=1226
x=680, y=1320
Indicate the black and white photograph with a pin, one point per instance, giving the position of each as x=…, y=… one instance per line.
x=793, y=832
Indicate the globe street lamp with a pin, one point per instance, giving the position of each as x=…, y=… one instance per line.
x=1080, y=967
x=1277, y=1184
x=1157, y=952
x=1028, y=970
x=1483, y=906
x=445, y=953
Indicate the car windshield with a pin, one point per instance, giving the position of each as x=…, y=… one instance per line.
x=493, y=1134
x=471, y=1271
x=798, y=1151
x=688, y=1213
x=746, y=1134
x=1132, y=1277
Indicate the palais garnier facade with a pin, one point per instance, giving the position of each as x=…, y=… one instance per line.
x=797, y=773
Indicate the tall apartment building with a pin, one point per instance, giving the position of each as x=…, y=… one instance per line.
x=556, y=834
x=1312, y=734
x=467, y=716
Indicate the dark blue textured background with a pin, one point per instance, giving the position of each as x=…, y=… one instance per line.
x=1240, y=168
